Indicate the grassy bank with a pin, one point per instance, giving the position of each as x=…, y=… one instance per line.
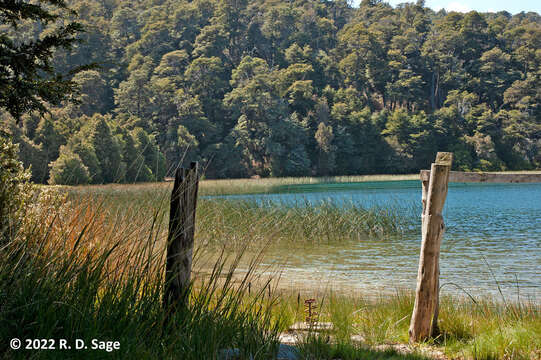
x=484, y=329
x=93, y=268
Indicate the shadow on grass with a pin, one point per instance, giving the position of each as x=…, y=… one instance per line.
x=319, y=348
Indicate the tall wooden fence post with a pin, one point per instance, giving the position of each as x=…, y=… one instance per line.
x=426, y=296
x=181, y=236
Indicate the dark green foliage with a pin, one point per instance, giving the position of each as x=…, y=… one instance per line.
x=48, y=137
x=30, y=154
x=87, y=154
x=273, y=88
x=93, y=93
x=15, y=190
x=153, y=158
x=106, y=148
x=131, y=157
x=68, y=169
x=27, y=75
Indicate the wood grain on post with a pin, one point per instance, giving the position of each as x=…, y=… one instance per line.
x=424, y=200
x=426, y=296
x=425, y=184
x=181, y=236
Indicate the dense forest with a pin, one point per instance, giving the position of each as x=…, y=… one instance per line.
x=285, y=88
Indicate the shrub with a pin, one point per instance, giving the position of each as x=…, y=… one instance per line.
x=86, y=152
x=15, y=188
x=68, y=169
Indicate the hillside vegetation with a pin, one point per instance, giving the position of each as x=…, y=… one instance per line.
x=286, y=88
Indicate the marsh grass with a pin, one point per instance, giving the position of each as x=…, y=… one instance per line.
x=301, y=223
x=235, y=186
x=93, y=268
x=76, y=273
x=236, y=221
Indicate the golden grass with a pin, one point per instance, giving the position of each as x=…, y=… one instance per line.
x=235, y=186
x=486, y=329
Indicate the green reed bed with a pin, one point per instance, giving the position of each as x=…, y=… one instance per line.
x=301, y=222
x=223, y=219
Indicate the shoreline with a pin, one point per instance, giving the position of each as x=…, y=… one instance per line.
x=254, y=186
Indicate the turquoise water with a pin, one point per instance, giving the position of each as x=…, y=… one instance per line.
x=492, y=241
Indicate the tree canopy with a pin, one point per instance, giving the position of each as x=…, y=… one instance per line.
x=29, y=79
x=274, y=88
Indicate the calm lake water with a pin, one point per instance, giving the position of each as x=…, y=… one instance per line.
x=492, y=239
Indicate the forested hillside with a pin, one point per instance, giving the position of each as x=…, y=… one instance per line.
x=287, y=88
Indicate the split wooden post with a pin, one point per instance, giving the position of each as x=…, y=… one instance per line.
x=181, y=236
x=424, y=317
x=424, y=198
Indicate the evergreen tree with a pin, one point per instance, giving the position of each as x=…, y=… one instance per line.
x=29, y=80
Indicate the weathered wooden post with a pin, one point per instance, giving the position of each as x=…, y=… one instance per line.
x=424, y=317
x=181, y=236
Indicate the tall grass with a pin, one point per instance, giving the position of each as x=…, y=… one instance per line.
x=72, y=273
x=236, y=222
x=311, y=223
x=93, y=268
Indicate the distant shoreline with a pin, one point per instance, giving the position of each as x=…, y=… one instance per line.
x=261, y=185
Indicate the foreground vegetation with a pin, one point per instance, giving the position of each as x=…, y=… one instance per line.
x=92, y=268
x=67, y=275
x=81, y=270
x=482, y=329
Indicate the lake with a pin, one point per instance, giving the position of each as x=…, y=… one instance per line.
x=492, y=241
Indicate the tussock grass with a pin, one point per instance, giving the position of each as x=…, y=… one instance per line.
x=75, y=273
x=488, y=329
